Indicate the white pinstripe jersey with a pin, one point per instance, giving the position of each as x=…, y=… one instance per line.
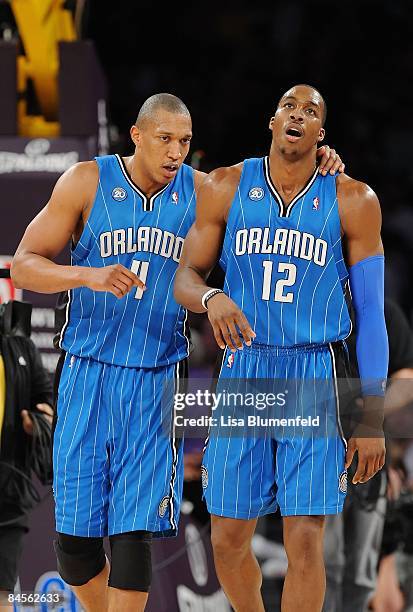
x=284, y=265
x=143, y=329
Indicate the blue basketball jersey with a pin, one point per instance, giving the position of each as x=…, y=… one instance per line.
x=146, y=235
x=284, y=266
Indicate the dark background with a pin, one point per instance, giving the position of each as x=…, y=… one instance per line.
x=230, y=63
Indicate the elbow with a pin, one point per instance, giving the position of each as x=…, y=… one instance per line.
x=16, y=273
x=180, y=289
x=177, y=290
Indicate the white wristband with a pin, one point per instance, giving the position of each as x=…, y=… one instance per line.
x=207, y=295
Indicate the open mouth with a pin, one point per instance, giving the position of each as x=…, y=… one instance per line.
x=293, y=134
x=171, y=168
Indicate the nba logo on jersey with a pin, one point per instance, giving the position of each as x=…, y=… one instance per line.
x=175, y=197
x=230, y=360
x=316, y=203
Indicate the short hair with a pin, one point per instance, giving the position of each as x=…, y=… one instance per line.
x=160, y=101
x=324, y=117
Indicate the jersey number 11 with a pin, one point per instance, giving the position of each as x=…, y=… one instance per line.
x=140, y=268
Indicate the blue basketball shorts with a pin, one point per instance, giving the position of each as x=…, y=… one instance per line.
x=297, y=464
x=116, y=467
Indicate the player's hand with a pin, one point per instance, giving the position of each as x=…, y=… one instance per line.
x=225, y=317
x=116, y=279
x=27, y=421
x=330, y=161
x=371, y=453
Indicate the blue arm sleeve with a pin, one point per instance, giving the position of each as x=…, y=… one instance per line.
x=372, y=348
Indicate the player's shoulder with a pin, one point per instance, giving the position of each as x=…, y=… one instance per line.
x=354, y=193
x=82, y=172
x=224, y=178
x=217, y=191
x=350, y=187
x=77, y=185
x=199, y=178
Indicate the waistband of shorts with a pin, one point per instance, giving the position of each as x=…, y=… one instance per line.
x=298, y=349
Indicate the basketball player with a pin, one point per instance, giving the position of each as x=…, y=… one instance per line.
x=116, y=472
x=279, y=226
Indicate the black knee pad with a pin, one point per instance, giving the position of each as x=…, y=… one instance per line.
x=79, y=559
x=131, y=564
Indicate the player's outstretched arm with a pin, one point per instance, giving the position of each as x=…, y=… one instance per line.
x=200, y=254
x=361, y=222
x=62, y=218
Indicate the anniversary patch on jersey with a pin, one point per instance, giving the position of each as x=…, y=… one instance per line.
x=119, y=194
x=256, y=193
x=342, y=482
x=163, y=506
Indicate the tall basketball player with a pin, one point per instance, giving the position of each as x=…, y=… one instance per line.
x=116, y=472
x=278, y=227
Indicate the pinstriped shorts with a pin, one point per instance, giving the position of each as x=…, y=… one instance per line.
x=115, y=467
x=300, y=470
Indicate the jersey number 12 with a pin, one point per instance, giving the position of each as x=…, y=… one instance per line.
x=279, y=295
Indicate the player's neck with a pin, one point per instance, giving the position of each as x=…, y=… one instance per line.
x=140, y=178
x=289, y=176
